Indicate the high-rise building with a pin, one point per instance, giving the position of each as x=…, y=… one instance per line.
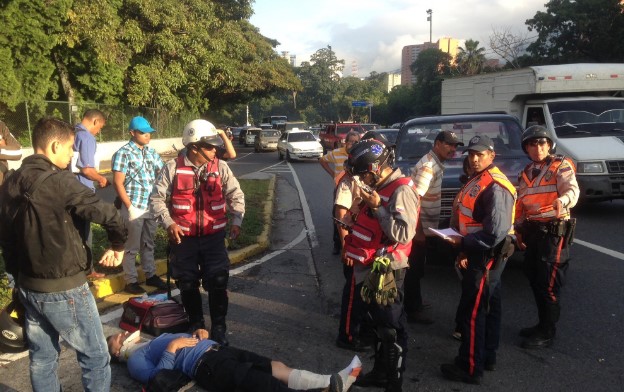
x=410, y=53
x=393, y=79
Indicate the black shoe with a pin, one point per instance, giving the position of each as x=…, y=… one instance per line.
x=452, y=372
x=419, y=317
x=526, y=332
x=374, y=378
x=134, y=288
x=155, y=281
x=335, y=383
x=540, y=339
x=490, y=364
x=218, y=334
x=356, y=345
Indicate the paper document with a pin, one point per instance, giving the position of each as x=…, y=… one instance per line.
x=444, y=233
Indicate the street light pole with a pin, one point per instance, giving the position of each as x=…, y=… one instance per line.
x=430, y=20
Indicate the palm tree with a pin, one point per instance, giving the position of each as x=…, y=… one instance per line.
x=471, y=59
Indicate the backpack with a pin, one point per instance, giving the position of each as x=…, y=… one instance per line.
x=154, y=314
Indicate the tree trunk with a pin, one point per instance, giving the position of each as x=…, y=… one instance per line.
x=66, y=84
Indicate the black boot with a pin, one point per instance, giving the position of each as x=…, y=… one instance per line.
x=378, y=377
x=529, y=331
x=192, y=302
x=545, y=335
x=393, y=358
x=218, y=302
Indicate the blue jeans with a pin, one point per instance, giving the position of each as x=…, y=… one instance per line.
x=73, y=316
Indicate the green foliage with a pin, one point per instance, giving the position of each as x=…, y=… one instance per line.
x=471, y=59
x=430, y=68
x=578, y=31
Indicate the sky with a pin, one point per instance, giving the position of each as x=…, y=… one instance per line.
x=373, y=32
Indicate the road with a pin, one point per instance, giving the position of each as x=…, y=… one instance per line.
x=286, y=303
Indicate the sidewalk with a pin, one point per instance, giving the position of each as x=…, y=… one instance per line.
x=108, y=291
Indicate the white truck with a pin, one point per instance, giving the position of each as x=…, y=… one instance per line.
x=581, y=105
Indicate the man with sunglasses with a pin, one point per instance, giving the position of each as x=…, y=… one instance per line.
x=135, y=168
x=189, y=199
x=547, y=191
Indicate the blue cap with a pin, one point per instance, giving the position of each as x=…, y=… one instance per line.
x=140, y=124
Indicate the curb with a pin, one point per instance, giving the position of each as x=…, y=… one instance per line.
x=108, y=291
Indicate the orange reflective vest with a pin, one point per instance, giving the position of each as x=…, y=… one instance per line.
x=197, y=204
x=538, y=195
x=366, y=236
x=471, y=191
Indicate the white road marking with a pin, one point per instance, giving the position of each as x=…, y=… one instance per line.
x=601, y=249
x=306, y=210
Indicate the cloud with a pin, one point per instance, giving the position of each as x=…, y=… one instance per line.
x=372, y=32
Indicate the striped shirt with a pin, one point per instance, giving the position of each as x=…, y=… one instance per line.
x=141, y=167
x=427, y=176
x=336, y=158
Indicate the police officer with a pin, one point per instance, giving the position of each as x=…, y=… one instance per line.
x=189, y=199
x=547, y=191
x=380, y=237
x=485, y=217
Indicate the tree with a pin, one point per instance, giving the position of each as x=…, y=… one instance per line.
x=430, y=67
x=470, y=60
x=581, y=30
x=508, y=45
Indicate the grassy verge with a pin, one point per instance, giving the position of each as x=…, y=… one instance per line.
x=256, y=192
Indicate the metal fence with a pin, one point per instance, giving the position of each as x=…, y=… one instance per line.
x=24, y=117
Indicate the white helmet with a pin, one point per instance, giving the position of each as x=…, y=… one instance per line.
x=201, y=132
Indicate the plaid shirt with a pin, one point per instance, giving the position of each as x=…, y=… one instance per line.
x=141, y=167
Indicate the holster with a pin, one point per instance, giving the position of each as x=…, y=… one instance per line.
x=502, y=251
x=568, y=236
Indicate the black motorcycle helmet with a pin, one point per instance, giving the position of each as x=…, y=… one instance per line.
x=536, y=132
x=12, y=337
x=367, y=156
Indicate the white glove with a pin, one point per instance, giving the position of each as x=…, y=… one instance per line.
x=135, y=213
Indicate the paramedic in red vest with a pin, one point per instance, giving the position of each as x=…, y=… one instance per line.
x=385, y=223
x=485, y=217
x=547, y=191
x=191, y=199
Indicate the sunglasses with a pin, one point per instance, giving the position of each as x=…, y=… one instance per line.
x=537, y=142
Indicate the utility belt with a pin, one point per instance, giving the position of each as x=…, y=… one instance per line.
x=502, y=251
x=558, y=228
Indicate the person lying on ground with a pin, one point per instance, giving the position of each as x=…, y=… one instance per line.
x=219, y=368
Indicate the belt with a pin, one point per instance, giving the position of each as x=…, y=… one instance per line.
x=203, y=358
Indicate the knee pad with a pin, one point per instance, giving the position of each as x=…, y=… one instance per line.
x=387, y=335
x=218, y=281
x=187, y=284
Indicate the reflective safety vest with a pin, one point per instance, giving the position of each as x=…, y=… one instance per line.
x=197, y=203
x=540, y=193
x=471, y=191
x=367, y=237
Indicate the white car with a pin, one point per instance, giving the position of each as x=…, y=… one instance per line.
x=297, y=145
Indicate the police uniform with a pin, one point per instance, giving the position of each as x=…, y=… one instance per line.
x=544, y=234
x=195, y=198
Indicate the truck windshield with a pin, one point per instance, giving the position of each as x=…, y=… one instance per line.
x=587, y=118
x=418, y=140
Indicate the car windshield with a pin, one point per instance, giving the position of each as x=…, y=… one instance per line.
x=301, y=137
x=417, y=140
x=391, y=135
x=345, y=128
x=270, y=133
x=587, y=118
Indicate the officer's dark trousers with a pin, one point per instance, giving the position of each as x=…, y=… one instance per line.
x=545, y=264
x=352, y=308
x=480, y=312
x=413, y=275
x=232, y=369
x=202, y=258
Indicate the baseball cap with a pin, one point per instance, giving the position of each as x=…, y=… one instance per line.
x=448, y=137
x=140, y=124
x=480, y=143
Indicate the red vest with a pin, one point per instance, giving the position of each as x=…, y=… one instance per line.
x=471, y=191
x=366, y=236
x=197, y=205
x=540, y=193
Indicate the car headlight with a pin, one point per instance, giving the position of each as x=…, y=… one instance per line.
x=296, y=150
x=590, y=167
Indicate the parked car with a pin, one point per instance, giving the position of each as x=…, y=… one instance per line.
x=389, y=133
x=333, y=135
x=250, y=136
x=416, y=138
x=267, y=140
x=242, y=133
x=297, y=145
x=371, y=127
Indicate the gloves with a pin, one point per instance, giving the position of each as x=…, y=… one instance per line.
x=380, y=284
x=134, y=212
